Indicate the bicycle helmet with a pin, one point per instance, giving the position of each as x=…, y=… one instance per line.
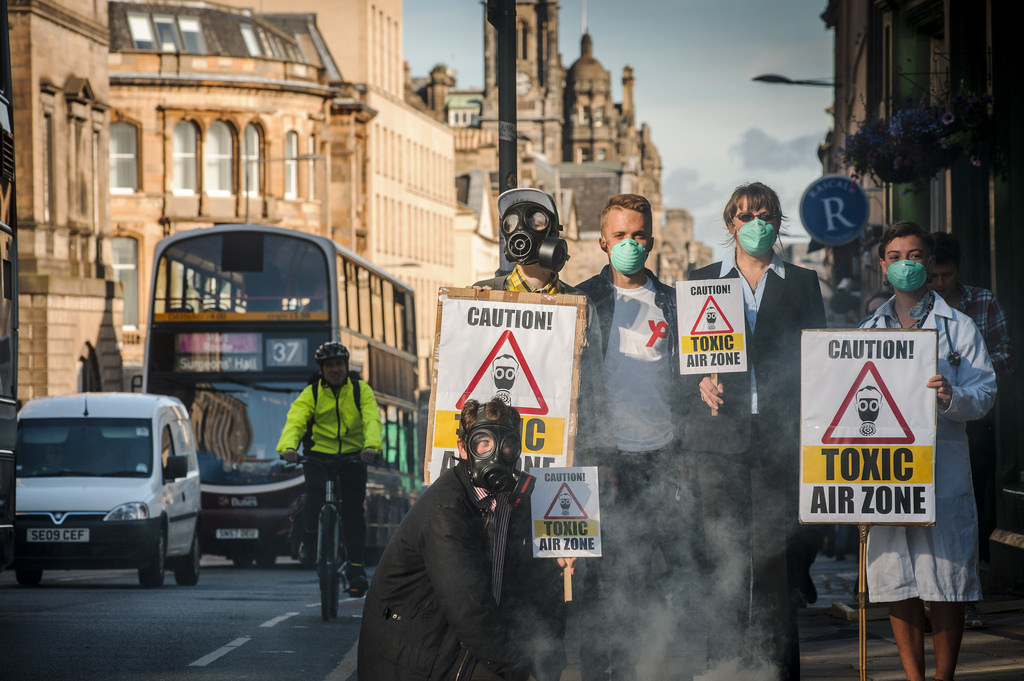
x=330, y=350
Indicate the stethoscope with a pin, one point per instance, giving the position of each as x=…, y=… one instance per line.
x=953, y=357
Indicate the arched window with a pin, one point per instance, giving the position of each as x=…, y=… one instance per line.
x=291, y=164
x=184, y=153
x=218, y=160
x=251, y=160
x=124, y=158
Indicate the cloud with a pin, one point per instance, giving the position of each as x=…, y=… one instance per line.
x=757, y=150
x=684, y=187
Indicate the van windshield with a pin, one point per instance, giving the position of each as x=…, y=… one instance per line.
x=87, y=448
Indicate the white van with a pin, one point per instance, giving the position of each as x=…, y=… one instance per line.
x=106, y=480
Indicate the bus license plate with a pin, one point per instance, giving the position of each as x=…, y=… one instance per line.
x=238, y=533
x=58, y=534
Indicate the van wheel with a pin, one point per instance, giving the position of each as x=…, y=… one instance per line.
x=29, y=577
x=154, y=576
x=186, y=570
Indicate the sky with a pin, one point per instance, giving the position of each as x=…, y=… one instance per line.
x=693, y=61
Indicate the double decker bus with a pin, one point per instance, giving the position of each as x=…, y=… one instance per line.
x=8, y=301
x=236, y=313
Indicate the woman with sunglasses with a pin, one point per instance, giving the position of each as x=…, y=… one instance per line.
x=744, y=428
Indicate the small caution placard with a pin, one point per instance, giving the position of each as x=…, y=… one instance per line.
x=566, y=513
x=711, y=326
x=521, y=347
x=868, y=426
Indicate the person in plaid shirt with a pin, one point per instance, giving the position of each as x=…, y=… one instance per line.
x=979, y=304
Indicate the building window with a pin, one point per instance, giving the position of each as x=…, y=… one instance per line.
x=126, y=271
x=585, y=115
x=184, y=152
x=192, y=35
x=311, y=167
x=249, y=37
x=291, y=164
x=217, y=160
x=141, y=31
x=167, y=33
x=601, y=154
x=124, y=158
x=251, y=160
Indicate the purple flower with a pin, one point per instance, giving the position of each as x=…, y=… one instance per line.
x=948, y=118
x=975, y=161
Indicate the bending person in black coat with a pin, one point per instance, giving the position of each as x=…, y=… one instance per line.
x=749, y=453
x=439, y=607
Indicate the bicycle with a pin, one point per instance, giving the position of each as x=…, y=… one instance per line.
x=331, y=556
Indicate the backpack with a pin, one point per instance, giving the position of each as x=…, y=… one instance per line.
x=314, y=381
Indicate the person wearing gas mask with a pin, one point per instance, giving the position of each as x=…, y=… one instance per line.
x=530, y=226
x=451, y=596
x=908, y=565
x=637, y=315
x=748, y=454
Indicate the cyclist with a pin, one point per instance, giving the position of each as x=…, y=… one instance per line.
x=339, y=427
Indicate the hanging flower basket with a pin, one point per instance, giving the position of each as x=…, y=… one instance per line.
x=919, y=142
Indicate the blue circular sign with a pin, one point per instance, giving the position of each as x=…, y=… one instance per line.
x=834, y=210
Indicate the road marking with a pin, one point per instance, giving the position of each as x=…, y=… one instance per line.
x=220, y=652
x=279, y=619
x=346, y=667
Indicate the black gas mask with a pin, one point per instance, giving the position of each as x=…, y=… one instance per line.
x=493, y=450
x=529, y=224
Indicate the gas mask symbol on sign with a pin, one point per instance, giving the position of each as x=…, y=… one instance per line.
x=504, y=370
x=868, y=401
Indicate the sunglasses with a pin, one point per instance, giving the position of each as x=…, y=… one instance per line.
x=747, y=217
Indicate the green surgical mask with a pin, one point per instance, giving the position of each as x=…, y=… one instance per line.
x=628, y=256
x=757, y=237
x=906, y=275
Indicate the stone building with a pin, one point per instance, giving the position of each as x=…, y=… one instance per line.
x=567, y=120
x=70, y=306
x=407, y=225
x=217, y=115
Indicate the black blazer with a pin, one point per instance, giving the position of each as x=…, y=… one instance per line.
x=788, y=306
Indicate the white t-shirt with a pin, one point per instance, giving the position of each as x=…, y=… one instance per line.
x=638, y=371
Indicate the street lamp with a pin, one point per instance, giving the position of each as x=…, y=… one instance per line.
x=776, y=78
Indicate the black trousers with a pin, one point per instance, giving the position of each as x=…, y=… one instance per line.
x=646, y=578
x=350, y=487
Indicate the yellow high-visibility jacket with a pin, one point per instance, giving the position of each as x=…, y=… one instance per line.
x=339, y=427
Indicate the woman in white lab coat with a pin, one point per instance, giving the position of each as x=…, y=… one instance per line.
x=908, y=565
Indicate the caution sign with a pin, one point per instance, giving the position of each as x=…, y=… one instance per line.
x=711, y=326
x=566, y=513
x=867, y=433
x=521, y=347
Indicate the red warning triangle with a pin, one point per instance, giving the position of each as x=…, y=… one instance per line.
x=542, y=406
x=571, y=511
x=908, y=436
x=727, y=327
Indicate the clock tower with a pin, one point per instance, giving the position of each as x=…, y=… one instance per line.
x=540, y=80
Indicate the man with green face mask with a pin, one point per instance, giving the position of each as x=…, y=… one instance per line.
x=637, y=314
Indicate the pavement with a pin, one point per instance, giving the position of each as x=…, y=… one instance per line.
x=829, y=636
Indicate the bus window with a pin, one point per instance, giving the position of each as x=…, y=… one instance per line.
x=377, y=307
x=365, y=308
x=401, y=310
x=388, y=297
x=341, y=293
x=352, y=295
